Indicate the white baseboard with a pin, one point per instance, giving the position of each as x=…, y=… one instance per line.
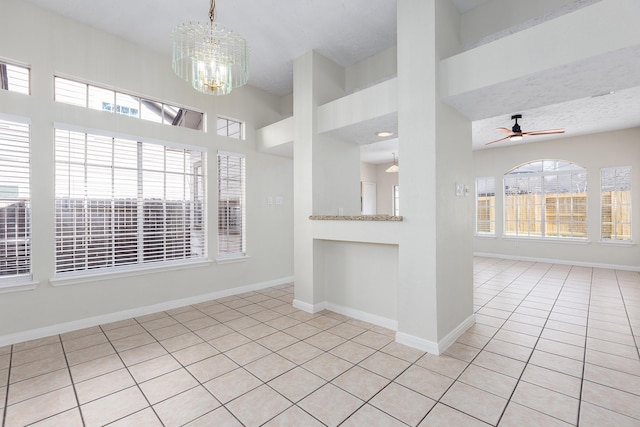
x=364, y=316
x=452, y=336
x=559, y=261
x=417, y=342
x=347, y=311
x=441, y=346
x=309, y=308
x=61, y=328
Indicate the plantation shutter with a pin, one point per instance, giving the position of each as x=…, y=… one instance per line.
x=15, y=201
x=231, y=205
x=123, y=202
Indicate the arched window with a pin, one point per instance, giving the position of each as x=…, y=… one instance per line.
x=546, y=198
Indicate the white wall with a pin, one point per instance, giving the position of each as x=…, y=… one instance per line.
x=372, y=70
x=593, y=152
x=501, y=17
x=51, y=44
x=359, y=276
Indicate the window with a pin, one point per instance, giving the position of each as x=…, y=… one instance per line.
x=231, y=205
x=15, y=204
x=396, y=200
x=486, y=205
x=97, y=98
x=615, y=197
x=124, y=203
x=546, y=198
x=14, y=78
x=230, y=127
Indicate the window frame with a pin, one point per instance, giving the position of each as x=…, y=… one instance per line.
x=628, y=170
x=491, y=207
x=120, y=104
x=228, y=122
x=128, y=233
x=542, y=208
x=14, y=68
x=225, y=230
x=19, y=279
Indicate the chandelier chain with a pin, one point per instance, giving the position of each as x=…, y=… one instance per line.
x=212, y=10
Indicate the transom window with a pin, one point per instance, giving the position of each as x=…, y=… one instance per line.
x=126, y=203
x=14, y=78
x=230, y=127
x=546, y=198
x=615, y=205
x=98, y=98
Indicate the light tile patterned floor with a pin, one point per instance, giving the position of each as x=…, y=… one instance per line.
x=553, y=345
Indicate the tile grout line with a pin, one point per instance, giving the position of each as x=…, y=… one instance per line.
x=73, y=383
x=526, y=363
x=584, y=355
x=6, y=396
x=626, y=310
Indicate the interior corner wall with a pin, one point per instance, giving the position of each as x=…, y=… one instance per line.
x=359, y=276
x=593, y=152
x=454, y=229
x=51, y=44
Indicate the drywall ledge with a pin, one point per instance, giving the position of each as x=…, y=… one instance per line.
x=275, y=134
x=375, y=101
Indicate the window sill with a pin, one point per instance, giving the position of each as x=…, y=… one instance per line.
x=485, y=236
x=18, y=286
x=568, y=240
x=232, y=260
x=623, y=243
x=78, y=278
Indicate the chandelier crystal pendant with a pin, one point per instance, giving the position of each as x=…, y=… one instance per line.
x=212, y=58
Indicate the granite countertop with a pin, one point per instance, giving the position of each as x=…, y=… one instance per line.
x=356, y=217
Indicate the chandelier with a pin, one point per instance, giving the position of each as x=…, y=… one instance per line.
x=211, y=57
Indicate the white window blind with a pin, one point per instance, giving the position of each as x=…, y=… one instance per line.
x=486, y=205
x=231, y=205
x=15, y=202
x=14, y=78
x=615, y=205
x=123, y=203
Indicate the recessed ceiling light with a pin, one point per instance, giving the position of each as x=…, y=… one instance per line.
x=384, y=133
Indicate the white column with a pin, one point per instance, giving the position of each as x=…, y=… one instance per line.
x=435, y=290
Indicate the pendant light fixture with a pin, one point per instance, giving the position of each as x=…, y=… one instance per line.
x=394, y=167
x=212, y=58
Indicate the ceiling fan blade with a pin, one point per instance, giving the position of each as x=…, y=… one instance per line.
x=504, y=130
x=498, y=140
x=544, y=132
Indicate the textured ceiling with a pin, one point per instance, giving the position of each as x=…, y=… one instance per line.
x=277, y=31
x=347, y=31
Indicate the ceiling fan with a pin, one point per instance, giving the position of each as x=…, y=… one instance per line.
x=516, y=134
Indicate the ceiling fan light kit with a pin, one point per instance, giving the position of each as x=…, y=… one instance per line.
x=516, y=133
